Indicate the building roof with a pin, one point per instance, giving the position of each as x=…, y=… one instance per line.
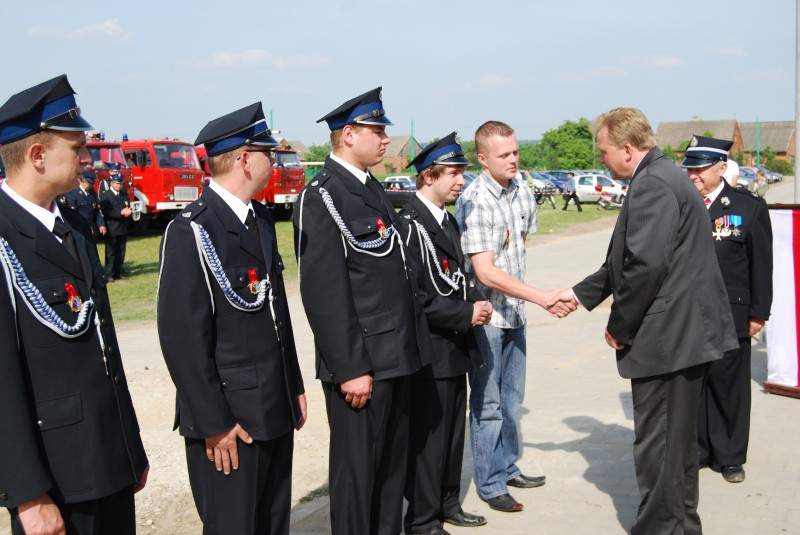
x=400, y=146
x=776, y=135
x=674, y=133
x=297, y=145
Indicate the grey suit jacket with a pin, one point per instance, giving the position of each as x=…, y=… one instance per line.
x=670, y=305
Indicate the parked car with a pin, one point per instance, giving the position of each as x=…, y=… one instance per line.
x=772, y=176
x=746, y=175
x=399, y=191
x=589, y=187
x=469, y=178
x=559, y=177
x=405, y=179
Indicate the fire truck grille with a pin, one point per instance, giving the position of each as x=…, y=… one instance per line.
x=185, y=194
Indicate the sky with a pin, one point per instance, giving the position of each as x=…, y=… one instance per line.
x=164, y=69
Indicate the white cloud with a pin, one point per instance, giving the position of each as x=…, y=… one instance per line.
x=109, y=29
x=603, y=72
x=733, y=51
x=569, y=77
x=607, y=71
x=662, y=60
x=259, y=56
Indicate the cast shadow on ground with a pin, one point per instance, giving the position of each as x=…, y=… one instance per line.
x=607, y=451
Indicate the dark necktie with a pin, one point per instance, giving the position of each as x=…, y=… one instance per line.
x=63, y=232
x=252, y=227
x=449, y=227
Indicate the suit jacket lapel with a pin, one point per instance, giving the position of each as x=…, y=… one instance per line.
x=437, y=233
x=232, y=224
x=45, y=243
x=265, y=233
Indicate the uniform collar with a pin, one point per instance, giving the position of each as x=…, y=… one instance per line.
x=45, y=217
x=437, y=213
x=714, y=194
x=361, y=175
x=239, y=208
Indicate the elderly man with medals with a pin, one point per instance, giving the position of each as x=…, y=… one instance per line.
x=743, y=242
x=452, y=307
x=226, y=336
x=359, y=290
x=72, y=457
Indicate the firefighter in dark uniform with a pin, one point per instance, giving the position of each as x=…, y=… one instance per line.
x=742, y=234
x=71, y=457
x=83, y=200
x=360, y=296
x=452, y=307
x=116, y=208
x=226, y=336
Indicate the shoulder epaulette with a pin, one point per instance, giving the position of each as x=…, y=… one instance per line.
x=320, y=179
x=191, y=212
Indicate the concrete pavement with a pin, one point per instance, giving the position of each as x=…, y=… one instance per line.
x=577, y=428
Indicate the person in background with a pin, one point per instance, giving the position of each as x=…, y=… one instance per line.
x=731, y=175
x=83, y=200
x=116, y=210
x=742, y=232
x=571, y=193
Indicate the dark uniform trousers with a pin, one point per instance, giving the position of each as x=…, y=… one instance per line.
x=68, y=426
x=745, y=261
x=438, y=403
x=229, y=366
x=112, y=204
x=367, y=318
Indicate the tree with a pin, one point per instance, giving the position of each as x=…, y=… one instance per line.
x=670, y=153
x=318, y=153
x=567, y=147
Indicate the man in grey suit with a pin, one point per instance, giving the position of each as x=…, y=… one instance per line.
x=669, y=318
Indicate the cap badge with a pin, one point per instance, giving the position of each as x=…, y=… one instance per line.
x=187, y=215
x=315, y=183
x=694, y=142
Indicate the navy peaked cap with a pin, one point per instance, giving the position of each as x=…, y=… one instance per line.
x=446, y=151
x=704, y=151
x=246, y=126
x=48, y=106
x=363, y=109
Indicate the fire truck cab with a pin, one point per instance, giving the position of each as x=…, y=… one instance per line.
x=287, y=181
x=166, y=176
x=107, y=156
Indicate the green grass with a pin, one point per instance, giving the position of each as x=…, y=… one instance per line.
x=134, y=299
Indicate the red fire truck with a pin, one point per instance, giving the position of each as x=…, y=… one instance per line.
x=107, y=155
x=285, y=183
x=166, y=176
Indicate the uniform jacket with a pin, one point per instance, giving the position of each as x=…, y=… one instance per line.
x=450, y=316
x=744, y=254
x=227, y=364
x=68, y=424
x=670, y=305
x=364, y=307
x=88, y=205
x=111, y=205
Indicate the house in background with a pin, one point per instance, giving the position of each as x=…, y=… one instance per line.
x=676, y=134
x=774, y=135
x=398, y=154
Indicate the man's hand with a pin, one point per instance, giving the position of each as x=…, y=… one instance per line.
x=223, y=450
x=756, y=325
x=126, y=212
x=481, y=312
x=610, y=340
x=301, y=400
x=357, y=391
x=40, y=516
x=102, y=231
x=560, y=302
x=142, y=480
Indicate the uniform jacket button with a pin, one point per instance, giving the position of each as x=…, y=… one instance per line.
x=116, y=379
x=366, y=330
x=224, y=384
x=40, y=423
x=93, y=292
x=3, y=496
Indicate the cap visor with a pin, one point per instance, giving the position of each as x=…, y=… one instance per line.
x=455, y=160
x=76, y=124
x=697, y=162
x=376, y=120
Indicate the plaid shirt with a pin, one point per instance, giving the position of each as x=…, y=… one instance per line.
x=493, y=218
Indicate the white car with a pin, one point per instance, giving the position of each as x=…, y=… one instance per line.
x=589, y=187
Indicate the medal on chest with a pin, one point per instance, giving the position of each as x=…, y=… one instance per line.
x=73, y=300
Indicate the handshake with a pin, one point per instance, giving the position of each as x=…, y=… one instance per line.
x=559, y=302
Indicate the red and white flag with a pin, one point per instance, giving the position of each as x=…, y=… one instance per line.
x=783, y=351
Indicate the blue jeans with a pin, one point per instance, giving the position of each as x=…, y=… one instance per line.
x=497, y=390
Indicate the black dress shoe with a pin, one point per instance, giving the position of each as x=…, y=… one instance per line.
x=465, y=519
x=504, y=503
x=525, y=482
x=733, y=473
x=435, y=530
